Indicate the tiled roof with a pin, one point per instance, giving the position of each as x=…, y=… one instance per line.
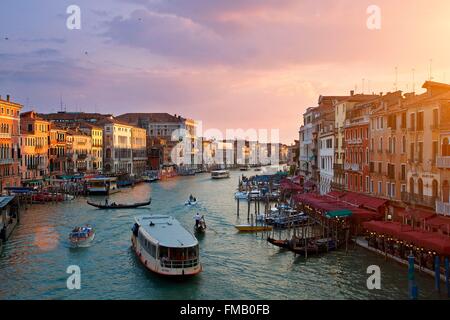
x=150, y=117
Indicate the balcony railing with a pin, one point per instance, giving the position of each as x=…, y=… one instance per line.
x=354, y=141
x=6, y=161
x=443, y=208
x=338, y=167
x=443, y=162
x=351, y=166
x=5, y=135
x=417, y=199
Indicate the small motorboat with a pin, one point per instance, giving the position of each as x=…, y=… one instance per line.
x=190, y=203
x=242, y=195
x=252, y=228
x=82, y=236
x=119, y=206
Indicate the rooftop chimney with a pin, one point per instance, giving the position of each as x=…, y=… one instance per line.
x=7, y=97
x=352, y=93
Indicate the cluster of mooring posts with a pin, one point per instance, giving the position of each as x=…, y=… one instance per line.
x=296, y=228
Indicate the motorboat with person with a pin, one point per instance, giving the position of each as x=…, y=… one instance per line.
x=82, y=236
x=192, y=201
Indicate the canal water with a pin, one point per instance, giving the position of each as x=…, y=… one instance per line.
x=236, y=266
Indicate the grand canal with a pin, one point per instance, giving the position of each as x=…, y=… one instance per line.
x=236, y=266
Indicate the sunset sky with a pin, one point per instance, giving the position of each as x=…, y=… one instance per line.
x=232, y=64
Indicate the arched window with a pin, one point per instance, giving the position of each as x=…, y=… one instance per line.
x=420, y=187
x=404, y=144
x=445, y=191
x=411, y=186
x=435, y=188
x=445, y=148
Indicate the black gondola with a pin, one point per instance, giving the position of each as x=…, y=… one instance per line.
x=200, y=227
x=119, y=206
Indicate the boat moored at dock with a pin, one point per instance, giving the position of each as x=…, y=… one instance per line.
x=102, y=185
x=165, y=247
x=220, y=174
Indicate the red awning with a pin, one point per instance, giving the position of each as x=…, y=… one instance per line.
x=419, y=214
x=362, y=200
x=425, y=239
x=297, y=179
x=438, y=221
x=335, y=194
x=438, y=243
x=392, y=229
x=365, y=215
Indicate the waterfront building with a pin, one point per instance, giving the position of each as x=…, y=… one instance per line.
x=426, y=122
x=117, y=148
x=326, y=156
x=443, y=159
x=164, y=131
x=139, y=150
x=57, y=152
x=95, y=131
x=306, y=157
x=292, y=153
x=79, y=151
x=34, y=147
x=356, y=135
x=341, y=107
x=72, y=119
x=388, y=148
x=9, y=143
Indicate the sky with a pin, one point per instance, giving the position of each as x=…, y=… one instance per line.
x=248, y=64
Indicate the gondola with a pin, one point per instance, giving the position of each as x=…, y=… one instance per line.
x=201, y=227
x=120, y=206
x=279, y=243
x=315, y=247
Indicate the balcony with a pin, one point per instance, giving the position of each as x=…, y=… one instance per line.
x=5, y=135
x=338, y=167
x=354, y=141
x=443, y=208
x=6, y=161
x=351, y=166
x=443, y=162
x=421, y=200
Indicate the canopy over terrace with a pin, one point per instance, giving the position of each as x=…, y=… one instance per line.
x=419, y=238
x=363, y=201
x=287, y=185
x=328, y=204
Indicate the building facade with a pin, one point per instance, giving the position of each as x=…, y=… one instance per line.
x=425, y=142
x=117, y=157
x=34, y=147
x=57, y=151
x=96, y=133
x=9, y=143
x=326, y=157
x=79, y=151
x=139, y=150
x=388, y=147
x=356, y=162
